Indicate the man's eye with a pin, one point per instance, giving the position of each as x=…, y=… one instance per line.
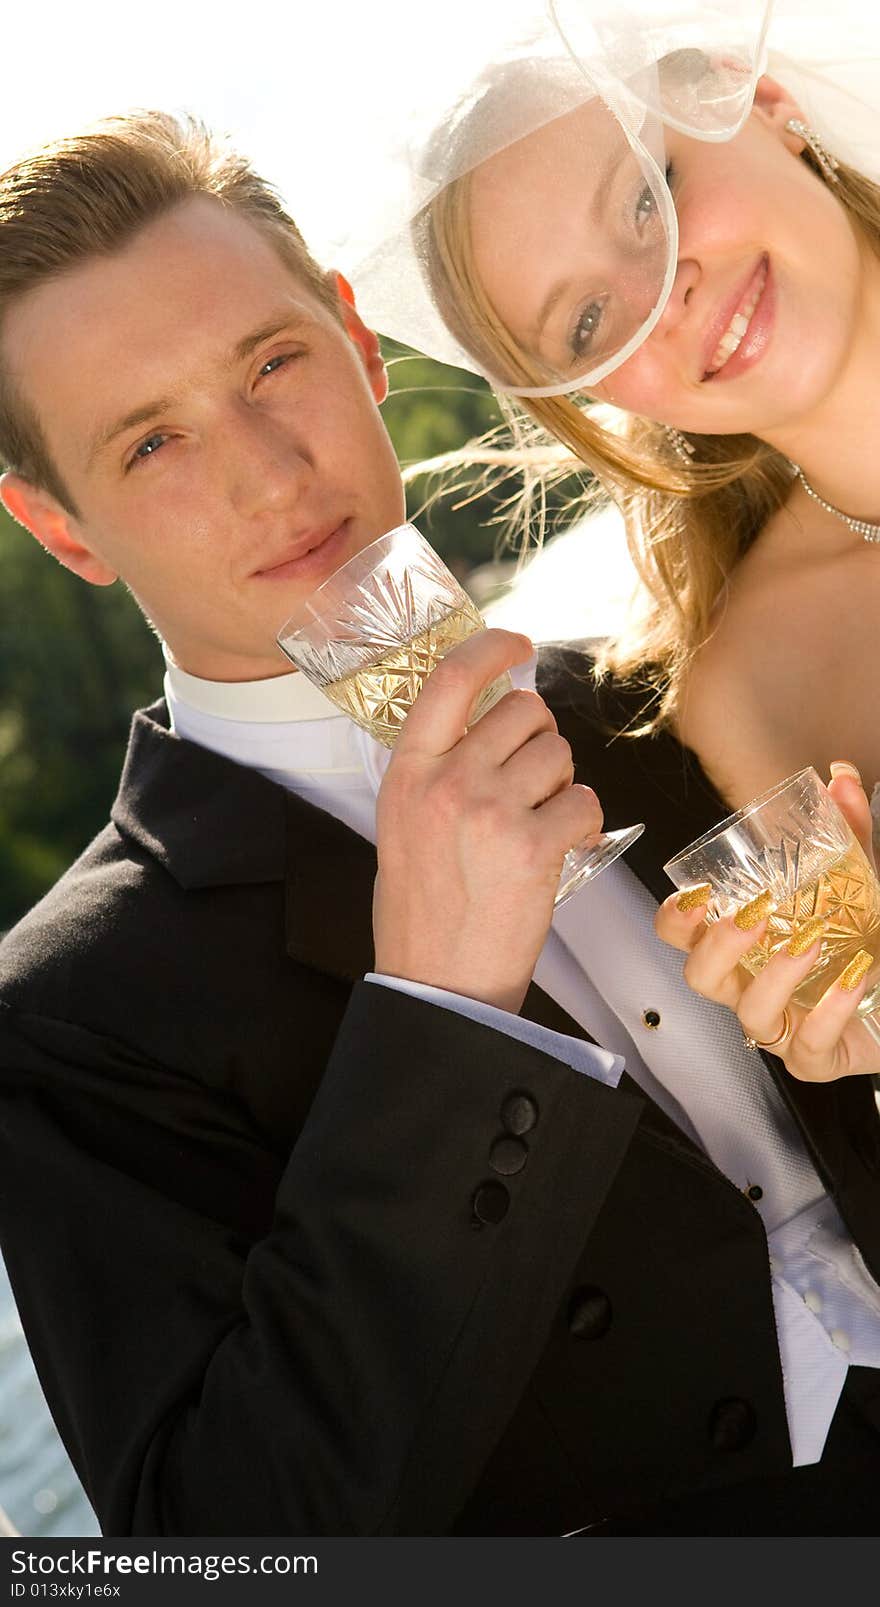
x=147, y=448
x=283, y=360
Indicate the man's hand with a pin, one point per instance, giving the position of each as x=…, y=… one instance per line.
x=472, y=828
x=824, y=1043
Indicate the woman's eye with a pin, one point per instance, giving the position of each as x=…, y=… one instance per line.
x=147, y=448
x=646, y=206
x=584, y=333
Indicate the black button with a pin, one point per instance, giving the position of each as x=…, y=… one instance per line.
x=491, y=1203
x=755, y=1191
x=508, y=1156
x=519, y=1113
x=732, y=1424
x=651, y=1019
x=589, y=1313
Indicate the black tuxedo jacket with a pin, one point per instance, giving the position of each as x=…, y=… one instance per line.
x=298, y=1254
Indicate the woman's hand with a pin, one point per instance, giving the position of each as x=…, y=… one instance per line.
x=817, y=1045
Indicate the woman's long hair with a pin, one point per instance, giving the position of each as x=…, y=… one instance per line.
x=688, y=522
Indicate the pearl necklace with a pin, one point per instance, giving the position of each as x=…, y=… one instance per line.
x=860, y=526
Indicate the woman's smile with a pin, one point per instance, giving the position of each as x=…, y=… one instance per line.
x=747, y=330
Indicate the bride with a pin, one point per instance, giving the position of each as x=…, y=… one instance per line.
x=678, y=279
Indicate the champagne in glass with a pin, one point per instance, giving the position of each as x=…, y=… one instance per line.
x=374, y=632
x=379, y=696
x=846, y=892
x=794, y=843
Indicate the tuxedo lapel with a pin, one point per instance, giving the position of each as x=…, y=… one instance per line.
x=329, y=900
x=211, y=823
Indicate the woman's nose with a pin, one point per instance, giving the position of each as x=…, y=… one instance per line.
x=687, y=277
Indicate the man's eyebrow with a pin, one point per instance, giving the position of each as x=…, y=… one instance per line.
x=289, y=320
x=138, y=415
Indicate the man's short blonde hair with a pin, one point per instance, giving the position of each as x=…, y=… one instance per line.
x=87, y=196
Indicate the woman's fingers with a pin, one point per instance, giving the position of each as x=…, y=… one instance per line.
x=765, y=998
x=845, y=787
x=829, y=1041
x=714, y=966
x=681, y=918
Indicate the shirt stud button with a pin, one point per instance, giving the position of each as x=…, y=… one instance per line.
x=840, y=1339
x=651, y=1019
x=813, y=1301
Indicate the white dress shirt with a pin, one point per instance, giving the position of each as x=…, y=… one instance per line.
x=604, y=965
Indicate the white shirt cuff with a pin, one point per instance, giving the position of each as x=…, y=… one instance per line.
x=574, y=1052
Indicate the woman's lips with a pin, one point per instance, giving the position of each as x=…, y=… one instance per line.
x=315, y=565
x=756, y=339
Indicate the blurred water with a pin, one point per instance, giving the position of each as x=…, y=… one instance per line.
x=39, y=1490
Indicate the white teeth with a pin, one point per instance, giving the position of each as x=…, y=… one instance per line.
x=739, y=323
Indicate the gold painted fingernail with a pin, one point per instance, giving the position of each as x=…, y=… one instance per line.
x=842, y=767
x=859, y=966
x=693, y=897
x=753, y=913
x=806, y=935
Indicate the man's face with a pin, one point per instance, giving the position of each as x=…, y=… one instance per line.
x=217, y=429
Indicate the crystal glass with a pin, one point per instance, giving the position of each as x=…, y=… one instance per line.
x=794, y=842
x=376, y=629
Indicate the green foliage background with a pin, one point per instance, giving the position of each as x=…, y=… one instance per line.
x=76, y=660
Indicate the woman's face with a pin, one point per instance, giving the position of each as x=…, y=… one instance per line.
x=764, y=310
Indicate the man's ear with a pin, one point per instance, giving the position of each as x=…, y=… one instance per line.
x=365, y=339
x=55, y=528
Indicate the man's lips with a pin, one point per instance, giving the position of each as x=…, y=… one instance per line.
x=758, y=279
x=310, y=553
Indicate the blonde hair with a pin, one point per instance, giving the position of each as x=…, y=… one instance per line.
x=687, y=523
x=87, y=196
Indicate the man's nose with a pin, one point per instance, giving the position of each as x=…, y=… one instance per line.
x=268, y=463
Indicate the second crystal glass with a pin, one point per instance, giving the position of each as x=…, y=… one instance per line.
x=376, y=629
x=794, y=843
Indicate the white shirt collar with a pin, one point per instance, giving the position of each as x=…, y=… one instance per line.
x=288, y=731
x=283, y=697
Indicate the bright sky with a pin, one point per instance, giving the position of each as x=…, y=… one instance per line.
x=292, y=83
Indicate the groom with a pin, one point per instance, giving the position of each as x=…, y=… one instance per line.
x=324, y=1222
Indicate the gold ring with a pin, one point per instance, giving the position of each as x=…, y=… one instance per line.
x=774, y=1043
